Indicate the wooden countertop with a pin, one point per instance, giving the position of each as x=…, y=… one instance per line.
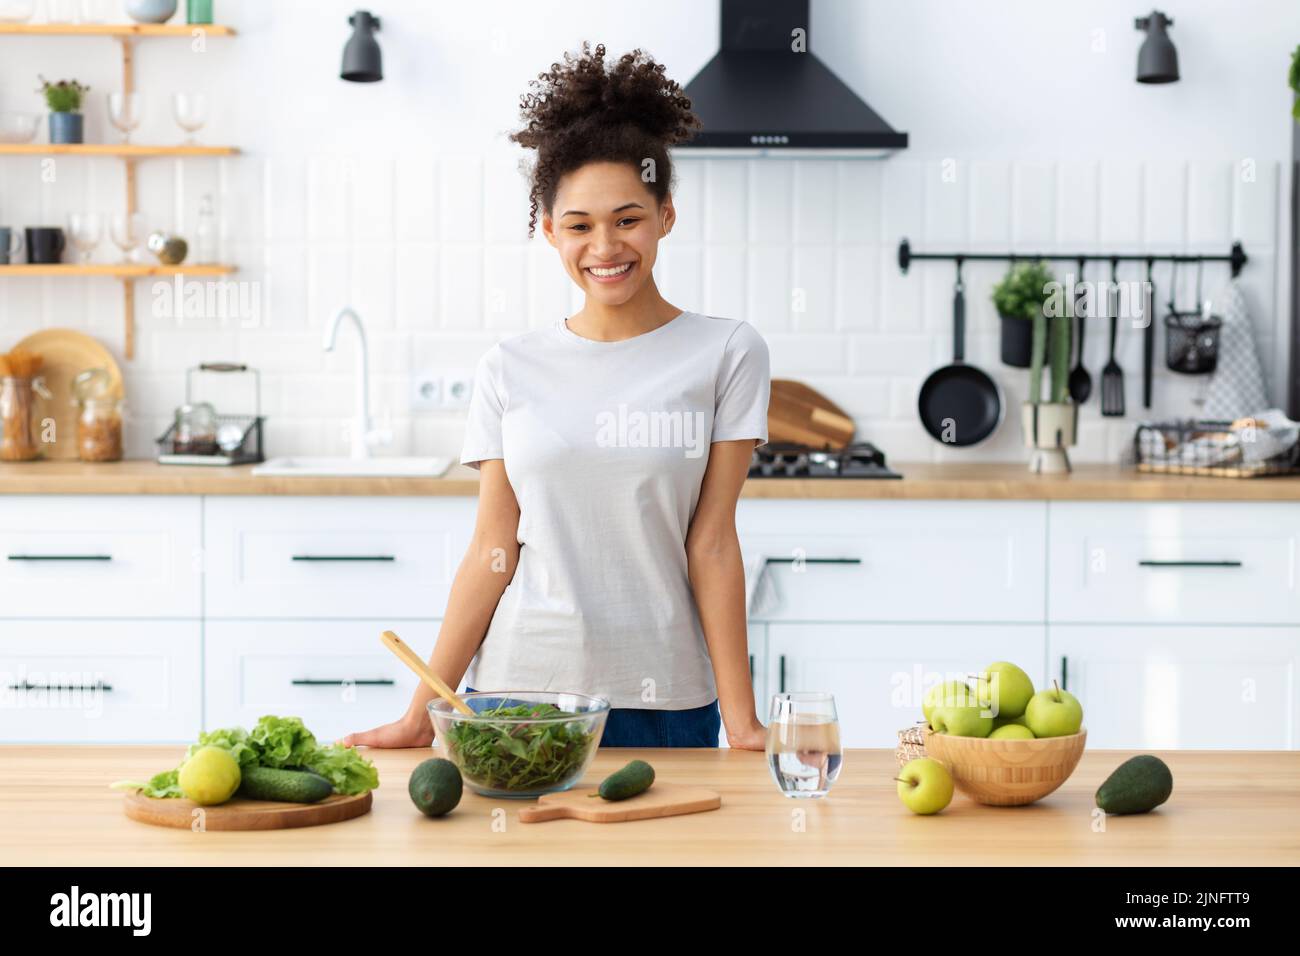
x=921, y=481
x=1228, y=808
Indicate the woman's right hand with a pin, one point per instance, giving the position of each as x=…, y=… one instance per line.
x=406, y=732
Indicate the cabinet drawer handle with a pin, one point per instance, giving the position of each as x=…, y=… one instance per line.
x=781, y=675
x=28, y=685
x=1147, y=563
x=1065, y=673
x=792, y=560
x=751, y=667
x=344, y=557
x=60, y=557
x=310, y=682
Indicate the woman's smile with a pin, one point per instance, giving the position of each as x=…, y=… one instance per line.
x=615, y=272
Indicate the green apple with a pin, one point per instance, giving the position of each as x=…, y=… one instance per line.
x=969, y=721
x=925, y=786
x=1054, y=713
x=948, y=693
x=1006, y=687
x=1012, y=732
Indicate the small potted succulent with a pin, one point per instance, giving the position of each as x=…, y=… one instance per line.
x=1050, y=426
x=64, y=99
x=1019, y=297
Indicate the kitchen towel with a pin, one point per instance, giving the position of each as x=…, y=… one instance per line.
x=1236, y=388
x=760, y=590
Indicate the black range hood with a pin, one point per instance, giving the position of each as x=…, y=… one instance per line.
x=758, y=94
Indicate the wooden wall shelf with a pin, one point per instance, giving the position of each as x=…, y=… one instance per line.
x=122, y=150
x=115, y=271
x=115, y=29
x=126, y=35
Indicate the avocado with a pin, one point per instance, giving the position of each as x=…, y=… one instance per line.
x=635, y=778
x=436, y=787
x=1138, y=784
x=284, y=786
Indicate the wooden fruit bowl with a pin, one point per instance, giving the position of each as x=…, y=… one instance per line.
x=1007, y=773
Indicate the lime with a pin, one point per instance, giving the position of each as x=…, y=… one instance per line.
x=210, y=776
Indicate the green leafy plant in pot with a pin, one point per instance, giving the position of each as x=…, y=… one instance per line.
x=64, y=98
x=1293, y=80
x=1018, y=298
x=1050, y=426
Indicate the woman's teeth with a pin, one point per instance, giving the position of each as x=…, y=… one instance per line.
x=611, y=272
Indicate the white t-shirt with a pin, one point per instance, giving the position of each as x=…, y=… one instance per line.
x=605, y=445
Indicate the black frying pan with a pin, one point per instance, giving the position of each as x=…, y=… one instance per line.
x=959, y=403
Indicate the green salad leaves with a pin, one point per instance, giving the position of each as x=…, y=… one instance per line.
x=281, y=742
x=520, y=755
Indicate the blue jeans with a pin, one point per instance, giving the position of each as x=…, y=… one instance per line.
x=634, y=727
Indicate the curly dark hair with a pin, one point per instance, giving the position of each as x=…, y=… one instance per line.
x=582, y=111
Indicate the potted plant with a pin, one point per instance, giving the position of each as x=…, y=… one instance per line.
x=1019, y=297
x=1293, y=80
x=64, y=99
x=1050, y=426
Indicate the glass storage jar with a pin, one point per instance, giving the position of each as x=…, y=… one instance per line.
x=20, y=418
x=196, y=430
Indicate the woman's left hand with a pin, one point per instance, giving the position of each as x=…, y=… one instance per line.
x=750, y=737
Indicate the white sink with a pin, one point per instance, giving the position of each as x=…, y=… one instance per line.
x=361, y=467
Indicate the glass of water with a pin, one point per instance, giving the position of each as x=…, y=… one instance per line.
x=803, y=744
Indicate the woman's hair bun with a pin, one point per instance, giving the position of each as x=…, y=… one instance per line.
x=586, y=109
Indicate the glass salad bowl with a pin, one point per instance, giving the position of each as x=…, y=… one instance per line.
x=520, y=743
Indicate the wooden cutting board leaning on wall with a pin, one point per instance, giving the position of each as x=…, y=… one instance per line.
x=797, y=413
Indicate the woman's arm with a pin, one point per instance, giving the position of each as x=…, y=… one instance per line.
x=717, y=575
x=486, y=569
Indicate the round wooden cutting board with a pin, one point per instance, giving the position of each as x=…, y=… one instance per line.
x=67, y=353
x=241, y=814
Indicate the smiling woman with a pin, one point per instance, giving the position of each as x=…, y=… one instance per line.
x=612, y=447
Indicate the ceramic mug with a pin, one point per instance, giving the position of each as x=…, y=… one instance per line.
x=11, y=243
x=45, y=244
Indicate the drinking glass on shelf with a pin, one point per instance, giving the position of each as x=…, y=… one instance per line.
x=127, y=231
x=124, y=111
x=803, y=743
x=190, y=111
x=85, y=229
x=94, y=11
x=61, y=11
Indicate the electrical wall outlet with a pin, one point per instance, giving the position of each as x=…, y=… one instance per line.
x=440, y=389
x=426, y=391
x=457, y=386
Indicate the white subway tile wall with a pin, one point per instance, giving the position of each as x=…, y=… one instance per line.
x=432, y=249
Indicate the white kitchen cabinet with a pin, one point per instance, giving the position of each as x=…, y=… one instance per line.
x=100, y=556
x=906, y=561
x=1189, y=562
x=879, y=672
x=1203, y=687
x=333, y=674
x=69, y=681
x=297, y=557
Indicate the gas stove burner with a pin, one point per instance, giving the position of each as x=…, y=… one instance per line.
x=792, y=460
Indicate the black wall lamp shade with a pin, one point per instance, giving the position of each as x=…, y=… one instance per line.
x=362, y=61
x=1157, y=59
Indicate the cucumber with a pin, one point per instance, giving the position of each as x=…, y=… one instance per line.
x=635, y=778
x=284, y=786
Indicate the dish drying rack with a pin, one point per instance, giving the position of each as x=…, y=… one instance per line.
x=248, y=451
x=1216, y=449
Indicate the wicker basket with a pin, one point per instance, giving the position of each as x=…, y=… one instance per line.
x=911, y=744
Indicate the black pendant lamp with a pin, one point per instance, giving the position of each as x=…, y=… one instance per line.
x=362, y=61
x=1157, y=59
